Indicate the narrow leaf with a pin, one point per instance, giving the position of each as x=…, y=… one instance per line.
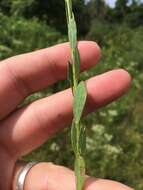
x=79, y=101
x=76, y=62
x=82, y=140
x=72, y=30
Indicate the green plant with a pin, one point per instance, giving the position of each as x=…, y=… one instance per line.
x=78, y=133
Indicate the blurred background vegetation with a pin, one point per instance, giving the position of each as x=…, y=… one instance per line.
x=115, y=133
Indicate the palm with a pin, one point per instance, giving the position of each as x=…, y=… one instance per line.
x=22, y=130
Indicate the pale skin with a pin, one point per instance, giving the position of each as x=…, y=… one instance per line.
x=23, y=130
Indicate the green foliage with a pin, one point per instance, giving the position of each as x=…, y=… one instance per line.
x=18, y=35
x=118, y=127
x=18, y=7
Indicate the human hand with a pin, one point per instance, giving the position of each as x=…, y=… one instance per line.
x=22, y=130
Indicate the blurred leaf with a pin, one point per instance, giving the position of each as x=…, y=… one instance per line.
x=79, y=101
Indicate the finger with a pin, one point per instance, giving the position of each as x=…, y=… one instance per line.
x=6, y=169
x=46, y=176
x=27, y=73
x=40, y=120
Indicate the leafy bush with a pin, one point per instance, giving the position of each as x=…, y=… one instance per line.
x=18, y=35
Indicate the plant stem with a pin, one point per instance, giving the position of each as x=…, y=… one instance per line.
x=78, y=135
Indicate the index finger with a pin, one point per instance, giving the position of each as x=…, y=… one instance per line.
x=24, y=74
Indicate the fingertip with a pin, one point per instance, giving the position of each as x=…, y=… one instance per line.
x=124, y=78
x=90, y=53
x=107, y=87
x=92, y=46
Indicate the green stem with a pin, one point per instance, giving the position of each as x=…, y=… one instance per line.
x=79, y=93
x=69, y=7
x=75, y=80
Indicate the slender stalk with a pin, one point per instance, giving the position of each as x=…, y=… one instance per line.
x=78, y=133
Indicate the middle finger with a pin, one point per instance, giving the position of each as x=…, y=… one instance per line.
x=29, y=127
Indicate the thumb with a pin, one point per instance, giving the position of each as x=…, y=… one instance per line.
x=47, y=176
